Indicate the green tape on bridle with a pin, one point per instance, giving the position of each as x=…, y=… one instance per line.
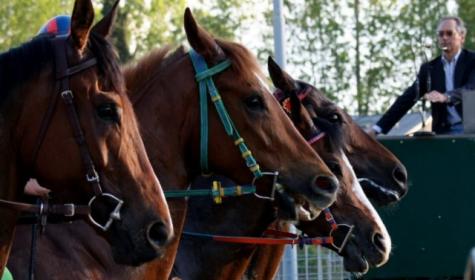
x=217, y=192
x=204, y=77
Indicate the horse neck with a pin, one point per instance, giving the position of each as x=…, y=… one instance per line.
x=266, y=259
x=241, y=216
x=167, y=117
x=88, y=254
x=10, y=177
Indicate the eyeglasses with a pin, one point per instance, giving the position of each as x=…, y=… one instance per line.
x=448, y=33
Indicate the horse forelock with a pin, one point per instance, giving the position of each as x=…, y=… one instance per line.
x=21, y=64
x=110, y=73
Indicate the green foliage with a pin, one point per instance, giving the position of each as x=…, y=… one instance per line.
x=363, y=51
x=20, y=20
x=466, y=11
x=143, y=25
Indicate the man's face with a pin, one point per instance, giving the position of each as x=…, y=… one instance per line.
x=449, y=38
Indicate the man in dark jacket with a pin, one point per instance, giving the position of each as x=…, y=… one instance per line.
x=440, y=81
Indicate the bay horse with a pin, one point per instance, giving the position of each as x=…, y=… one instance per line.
x=204, y=258
x=87, y=146
x=163, y=88
x=311, y=112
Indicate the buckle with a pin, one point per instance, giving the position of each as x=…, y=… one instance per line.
x=93, y=178
x=69, y=210
x=114, y=215
x=67, y=94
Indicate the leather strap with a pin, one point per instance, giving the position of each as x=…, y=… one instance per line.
x=67, y=210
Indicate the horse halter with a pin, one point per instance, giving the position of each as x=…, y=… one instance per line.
x=63, y=73
x=204, y=78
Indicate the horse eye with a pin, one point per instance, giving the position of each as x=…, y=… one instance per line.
x=334, y=118
x=108, y=112
x=254, y=102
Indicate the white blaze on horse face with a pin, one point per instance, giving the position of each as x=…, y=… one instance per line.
x=358, y=191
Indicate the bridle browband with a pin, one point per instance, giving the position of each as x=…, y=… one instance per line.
x=62, y=74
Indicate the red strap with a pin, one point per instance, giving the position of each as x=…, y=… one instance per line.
x=273, y=241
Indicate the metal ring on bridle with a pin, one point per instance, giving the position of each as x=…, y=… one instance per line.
x=114, y=215
x=345, y=240
x=275, y=185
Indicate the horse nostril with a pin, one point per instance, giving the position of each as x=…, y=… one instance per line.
x=158, y=234
x=327, y=184
x=378, y=242
x=400, y=174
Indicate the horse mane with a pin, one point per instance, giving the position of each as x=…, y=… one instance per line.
x=25, y=62
x=141, y=72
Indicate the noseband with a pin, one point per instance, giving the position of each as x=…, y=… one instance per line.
x=63, y=73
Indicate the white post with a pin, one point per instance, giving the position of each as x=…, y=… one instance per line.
x=289, y=263
x=279, y=41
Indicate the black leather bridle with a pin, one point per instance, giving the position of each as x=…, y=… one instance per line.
x=43, y=209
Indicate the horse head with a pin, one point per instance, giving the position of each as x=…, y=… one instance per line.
x=321, y=122
x=73, y=128
x=249, y=130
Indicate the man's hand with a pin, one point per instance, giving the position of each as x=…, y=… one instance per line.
x=33, y=188
x=371, y=132
x=436, y=97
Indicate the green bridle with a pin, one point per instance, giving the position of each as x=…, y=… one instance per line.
x=204, y=77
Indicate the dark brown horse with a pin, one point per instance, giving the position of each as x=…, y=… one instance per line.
x=312, y=112
x=165, y=93
x=93, y=135
x=204, y=258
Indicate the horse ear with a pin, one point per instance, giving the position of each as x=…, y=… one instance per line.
x=280, y=78
x=81, y=22
x=104, y=26
x=201, y=41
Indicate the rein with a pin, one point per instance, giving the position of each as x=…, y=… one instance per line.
x=285, y=238
x=43, y=209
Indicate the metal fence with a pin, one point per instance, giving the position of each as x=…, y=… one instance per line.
x=316, y=263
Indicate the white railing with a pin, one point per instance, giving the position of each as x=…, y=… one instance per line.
x=317, y=263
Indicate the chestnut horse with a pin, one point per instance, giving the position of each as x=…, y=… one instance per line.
x=204, y=258
x=311, y=112
x=87, y=146
x=165, y=94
